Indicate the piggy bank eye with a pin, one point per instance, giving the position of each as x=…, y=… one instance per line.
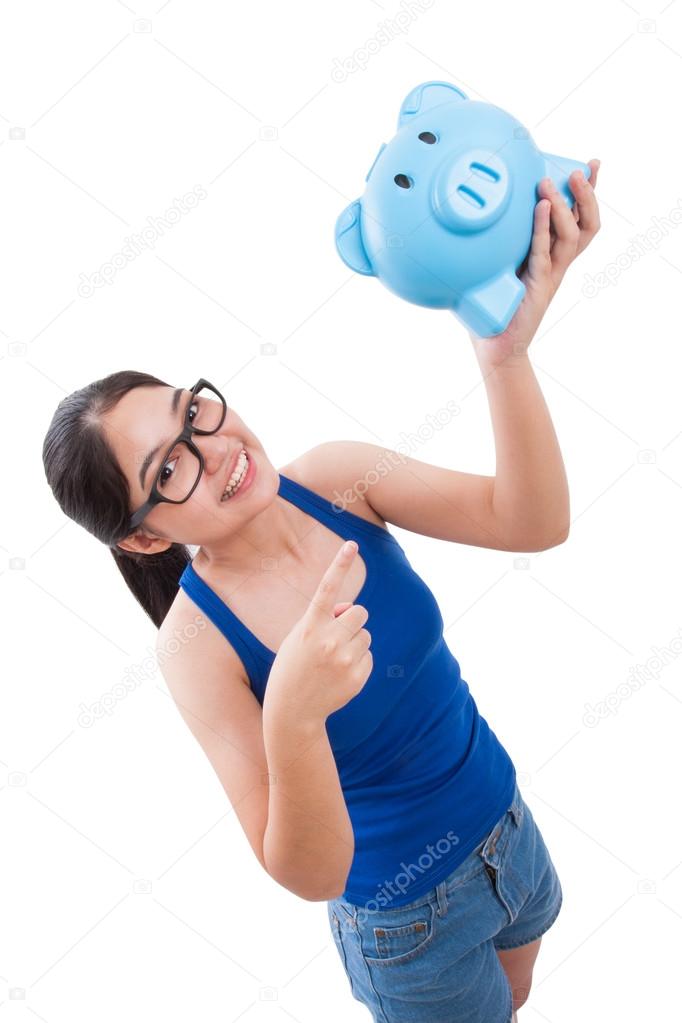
x=403, y=181
x=428, y=137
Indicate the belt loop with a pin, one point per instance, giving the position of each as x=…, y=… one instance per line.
x=442, y=898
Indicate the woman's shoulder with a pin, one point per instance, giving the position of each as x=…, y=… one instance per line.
x=330, y=470
x=186, y=626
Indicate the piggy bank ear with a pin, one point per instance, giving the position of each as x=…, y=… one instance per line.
x=427, y=95
x=349, y=240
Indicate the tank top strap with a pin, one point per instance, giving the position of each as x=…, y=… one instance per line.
x=331, y=514
x=249, y=648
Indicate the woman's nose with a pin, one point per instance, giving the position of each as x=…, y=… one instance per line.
x=215, y=449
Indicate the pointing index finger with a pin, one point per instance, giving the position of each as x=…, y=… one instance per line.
x=326, y=594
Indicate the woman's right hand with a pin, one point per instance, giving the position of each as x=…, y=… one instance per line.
x=324, y=661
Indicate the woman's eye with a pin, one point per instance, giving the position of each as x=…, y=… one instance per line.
x=195, y=404
x=162, y=477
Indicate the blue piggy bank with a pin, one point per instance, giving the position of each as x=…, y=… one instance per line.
x=447, y=214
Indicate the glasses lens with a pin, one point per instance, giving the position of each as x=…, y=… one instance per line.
x=181, y=469
x=206, y=410
x=179, y=473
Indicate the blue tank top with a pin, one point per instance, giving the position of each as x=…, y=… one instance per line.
x=423, y=775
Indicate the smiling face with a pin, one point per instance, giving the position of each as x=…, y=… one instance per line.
x=141, y=427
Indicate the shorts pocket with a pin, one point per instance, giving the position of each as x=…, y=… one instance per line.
x=398, y=939
x=494, y=875
x=336, y=927
x=499, y=849
x=504, y=858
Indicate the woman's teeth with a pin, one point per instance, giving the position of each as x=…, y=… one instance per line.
x=237, y=476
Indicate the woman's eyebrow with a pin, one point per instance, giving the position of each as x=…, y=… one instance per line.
x=148, y=459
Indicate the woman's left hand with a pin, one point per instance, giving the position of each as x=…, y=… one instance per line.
x=559, y=235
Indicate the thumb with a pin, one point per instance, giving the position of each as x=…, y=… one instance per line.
x=341, y=607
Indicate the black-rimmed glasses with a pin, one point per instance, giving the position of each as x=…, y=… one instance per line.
x=183, y=463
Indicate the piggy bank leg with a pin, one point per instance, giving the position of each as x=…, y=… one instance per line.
x=488, y=309
x=559, y=169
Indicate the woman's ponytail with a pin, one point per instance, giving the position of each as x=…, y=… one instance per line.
x=153, y=578
x=91, y=488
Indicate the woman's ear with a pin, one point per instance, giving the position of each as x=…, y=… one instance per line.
x=140, y=543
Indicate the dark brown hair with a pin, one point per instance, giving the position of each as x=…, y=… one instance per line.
x=90, y=487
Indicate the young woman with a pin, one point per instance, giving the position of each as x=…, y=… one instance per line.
x=366, y=779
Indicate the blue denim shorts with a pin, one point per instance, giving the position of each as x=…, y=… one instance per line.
x=435, y=959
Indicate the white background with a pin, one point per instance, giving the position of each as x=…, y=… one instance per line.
x=104, y=120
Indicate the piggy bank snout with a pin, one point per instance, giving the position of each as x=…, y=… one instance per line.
x=471, y=190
